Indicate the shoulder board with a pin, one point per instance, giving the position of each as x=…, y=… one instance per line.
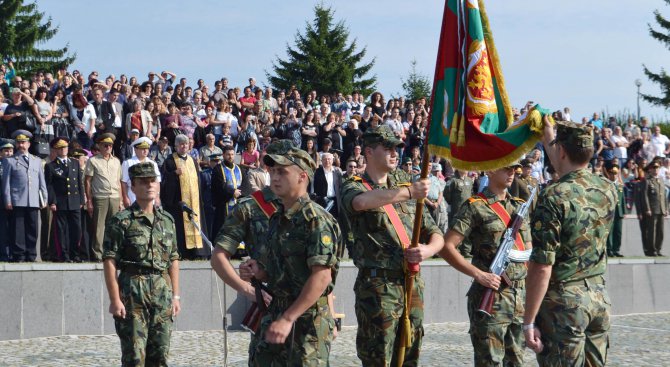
x=518, y=199
x=243, y=200
x=166, y=214
x=475, y=199
x=356, y=178
x=311, y=211
x=404, y=184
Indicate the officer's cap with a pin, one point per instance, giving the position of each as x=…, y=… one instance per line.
x=142, y=143
x=59, y=142
x=22, y=135
x=6, y=144
x=106, y=138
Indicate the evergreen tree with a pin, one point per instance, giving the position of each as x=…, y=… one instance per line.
x=416, y=85
x=22, y=28
x=662, y=78
x=323, y=60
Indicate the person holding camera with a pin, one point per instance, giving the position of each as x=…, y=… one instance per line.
x=17, y=112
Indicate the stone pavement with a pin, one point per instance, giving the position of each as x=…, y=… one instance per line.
x=636, y=340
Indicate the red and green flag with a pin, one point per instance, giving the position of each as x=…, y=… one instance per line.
x=471, y=115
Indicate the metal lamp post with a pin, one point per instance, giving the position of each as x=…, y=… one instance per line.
x=638, y=83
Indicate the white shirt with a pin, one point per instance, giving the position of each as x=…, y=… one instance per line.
x=659, y=142
x=117, y=116
x=125, y=177
x=620, y=152
x=329, y=178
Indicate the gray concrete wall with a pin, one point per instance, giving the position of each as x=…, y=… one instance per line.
x=39, y=300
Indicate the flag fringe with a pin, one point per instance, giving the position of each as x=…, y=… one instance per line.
x=491, y=165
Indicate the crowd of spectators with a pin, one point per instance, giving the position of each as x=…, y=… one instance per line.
x=163, y=107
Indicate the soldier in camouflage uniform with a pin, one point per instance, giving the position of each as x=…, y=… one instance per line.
x=497, y=339
x=248, y=223
x=459, y=188
x=140, y=242
x=567, y=306
x=379, y=254
x=303, y=251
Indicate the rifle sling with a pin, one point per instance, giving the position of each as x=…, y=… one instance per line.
x=505, y=217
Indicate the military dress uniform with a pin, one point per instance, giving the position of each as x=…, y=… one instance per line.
x=497, y=339
x=614, y=239
x=569, y=228
x=652, y=199
x=5, y=249
x=379, y=257
x=24, y=187
x=66, y=191
x=458, y=190
x=143, y=247
x=299, y=237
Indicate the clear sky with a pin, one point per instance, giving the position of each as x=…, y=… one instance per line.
x=581, y=54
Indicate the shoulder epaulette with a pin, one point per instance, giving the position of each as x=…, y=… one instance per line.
x=475, y=199
x=356, y=178
x=518, y=199
x=310, y=211
x=166, y=214
x=404, y=184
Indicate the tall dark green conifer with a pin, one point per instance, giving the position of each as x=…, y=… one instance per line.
x=662, y=78
x=416, y=85
x=323, y=60
x=22, y=28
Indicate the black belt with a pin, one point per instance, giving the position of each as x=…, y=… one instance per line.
x=382, y=273
x=585, y=282
x=141, y=270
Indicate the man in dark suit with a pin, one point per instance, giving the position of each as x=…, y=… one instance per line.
x=66, y=198
x=117, y=123
x=327, y=183
x=25, y=192
x=104, y=112
x=6, y=151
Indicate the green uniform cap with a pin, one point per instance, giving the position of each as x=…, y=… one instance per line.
x=381, y=134
x=285, y=154
x=569, y=133
x=145, y=169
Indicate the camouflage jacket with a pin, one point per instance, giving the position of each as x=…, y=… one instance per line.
x=375, y=242
x=300, y=237
x=571, y=223
x=457, y=191
x=134, y=238
x=483, y=227
x=248, y=224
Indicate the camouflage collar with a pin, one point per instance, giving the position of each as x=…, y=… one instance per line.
x=574, y=174
x=297, y=206
x=491, y=197
x=138, y=213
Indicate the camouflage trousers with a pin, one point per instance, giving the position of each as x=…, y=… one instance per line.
x=574, y=321
x=145, y=332
x=498, y=339
x=379, y=307
x=308, y=344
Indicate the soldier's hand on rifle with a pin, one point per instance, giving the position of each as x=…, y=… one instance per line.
x=278, y=331
x=251, y=269
x=488, y=280
x=419, y=189
x=417, y=254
